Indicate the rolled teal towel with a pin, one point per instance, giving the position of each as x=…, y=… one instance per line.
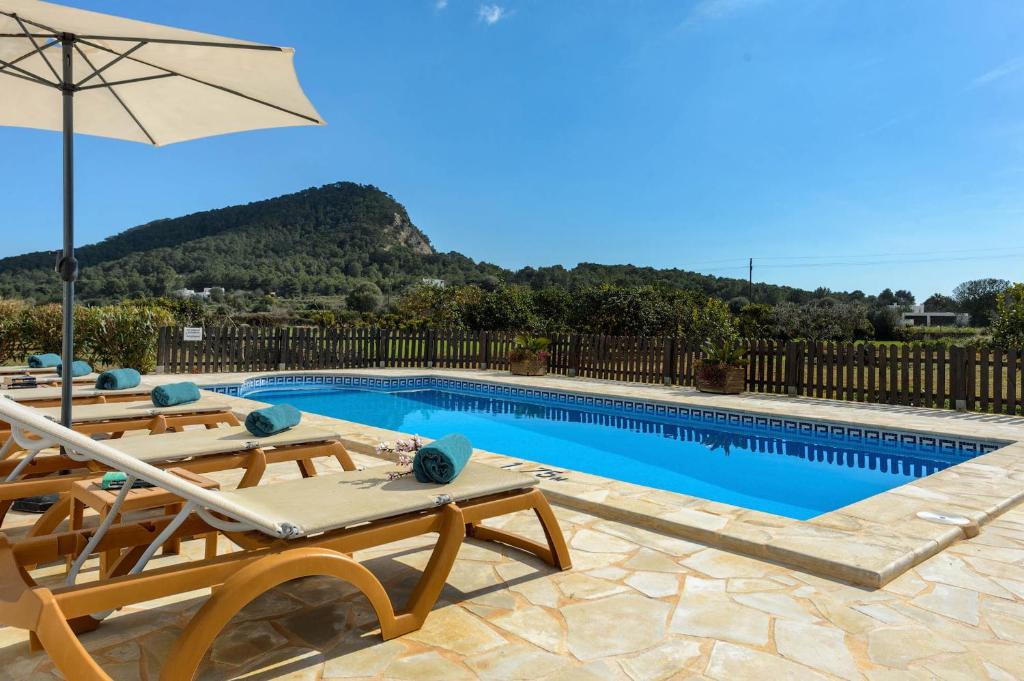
x=442, y=460
x=175, y=393
x=118, y=379
x=43, y=361
x=78, y=368
x=276, y=419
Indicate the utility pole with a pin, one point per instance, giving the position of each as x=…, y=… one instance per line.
x=750, y=281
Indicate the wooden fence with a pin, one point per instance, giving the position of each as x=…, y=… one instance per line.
x=985, y=379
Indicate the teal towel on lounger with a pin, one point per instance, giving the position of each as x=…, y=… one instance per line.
x=276, y=419
x=175, y=393
x=78, y=368
x=442, y=460
x=118, y=379
x=43, y=361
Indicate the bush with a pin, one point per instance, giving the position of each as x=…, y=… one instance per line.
x=12, y=347
x=126, y=335
x=1008, y=323
x=114, y=335
x=754, y=321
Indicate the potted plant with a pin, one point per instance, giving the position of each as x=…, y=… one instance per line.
x=529, y=356
x=722, y=368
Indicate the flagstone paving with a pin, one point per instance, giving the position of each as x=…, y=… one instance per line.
x=638, y=605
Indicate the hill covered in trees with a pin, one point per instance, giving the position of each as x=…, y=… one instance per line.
x=323, y=241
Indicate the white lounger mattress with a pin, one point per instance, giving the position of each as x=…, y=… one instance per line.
x=223, y=440
x=328, y=502
x=88, y=413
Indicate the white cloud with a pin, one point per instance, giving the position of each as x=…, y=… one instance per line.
x=1007, y=68
x=712, y=10
x=440, y=4
x=492, y=14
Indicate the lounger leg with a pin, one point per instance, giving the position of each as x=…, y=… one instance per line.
x=255, y=467
x=424, y=596
x=555, y=553
x=256, y=579
x=35, y=609
x=62, y=645
x=306, y=468
x=52, y=518
x=343, y=457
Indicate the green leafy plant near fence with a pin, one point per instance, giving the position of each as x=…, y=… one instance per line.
x=122, y=335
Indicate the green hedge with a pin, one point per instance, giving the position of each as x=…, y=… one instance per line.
x=122, y=335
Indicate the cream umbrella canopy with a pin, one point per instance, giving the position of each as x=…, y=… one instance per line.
x=76, y=71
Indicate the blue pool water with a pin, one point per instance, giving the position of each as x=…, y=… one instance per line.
x=782, y=472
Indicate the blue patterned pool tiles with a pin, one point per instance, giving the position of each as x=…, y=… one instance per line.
x=831, y=431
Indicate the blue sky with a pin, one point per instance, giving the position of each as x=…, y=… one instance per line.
x=845, y=144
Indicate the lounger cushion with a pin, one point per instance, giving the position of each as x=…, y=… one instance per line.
x=89, y=413
x=47, y=359
x=54, y=393
x=328, y=502
x=225, y=440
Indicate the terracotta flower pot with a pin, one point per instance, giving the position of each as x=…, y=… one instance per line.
x=727, y=380
x=530, y=366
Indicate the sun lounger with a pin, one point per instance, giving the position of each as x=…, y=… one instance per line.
x=286, y=531
x=50, y=396
x=198, y=451
x=50, y=378
x=119, y=418
x=25, y=369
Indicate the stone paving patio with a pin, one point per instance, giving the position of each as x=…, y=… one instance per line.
x=637, y=605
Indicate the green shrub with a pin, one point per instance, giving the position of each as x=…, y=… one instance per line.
x=1008, y=323
x=126, y=335
x=12, y=346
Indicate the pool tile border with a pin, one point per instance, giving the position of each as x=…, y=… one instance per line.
x=841, y=432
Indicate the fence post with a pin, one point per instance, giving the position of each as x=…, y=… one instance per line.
x=431, y=347
x=668, y=363
x=483, y=351
x=382, y=348
x=794, y=356
x=282, y=348
x=574, y=355
x=958, y=377
x=161, y=350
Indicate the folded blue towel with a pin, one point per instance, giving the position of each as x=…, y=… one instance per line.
x=442, y=460
x=276, y=419
x=43, y=361
x=175, y=393
x=78, y=368
x=118, y=379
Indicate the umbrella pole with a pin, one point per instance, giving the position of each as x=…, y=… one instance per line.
x=67, y=266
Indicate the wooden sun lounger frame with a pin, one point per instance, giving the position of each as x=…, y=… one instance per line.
x=54, y=617
x=271, y=555
x=40, y=477
x=97, y=397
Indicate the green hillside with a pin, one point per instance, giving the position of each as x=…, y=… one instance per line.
x=320, y=241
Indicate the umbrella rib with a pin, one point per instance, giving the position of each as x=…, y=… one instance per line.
x=206, y=83
x=7, y=68
x=31, y=79
x=196, y=43
x=39, y=50
x=108, y=65
x=126, y=81
x=116, y=96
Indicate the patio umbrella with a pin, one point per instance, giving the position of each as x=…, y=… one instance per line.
x=74, y=71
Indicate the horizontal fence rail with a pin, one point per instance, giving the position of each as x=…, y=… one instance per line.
x=982, y=379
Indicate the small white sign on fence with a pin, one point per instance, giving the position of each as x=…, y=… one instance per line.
x=192, y=333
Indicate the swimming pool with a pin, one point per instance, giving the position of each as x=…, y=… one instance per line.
x=795, y=472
